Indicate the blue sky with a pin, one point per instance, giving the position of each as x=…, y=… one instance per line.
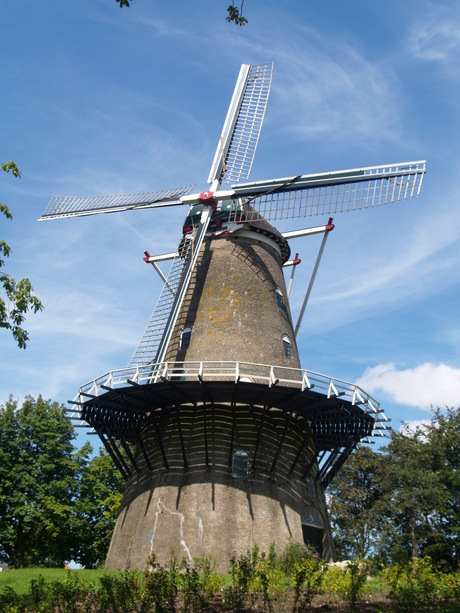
x=100, y=100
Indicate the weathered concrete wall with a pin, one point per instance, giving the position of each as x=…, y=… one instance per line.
x=204, y=509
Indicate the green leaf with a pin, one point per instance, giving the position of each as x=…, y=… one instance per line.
x=16, y=298
x=11, y=167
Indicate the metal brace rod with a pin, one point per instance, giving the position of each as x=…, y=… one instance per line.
x=153, y=259
x=159, y=258
x=163, y=278
x=118, y=464
x=294, y=263
x=144, y=451
x=306, y=232
x=328, y=228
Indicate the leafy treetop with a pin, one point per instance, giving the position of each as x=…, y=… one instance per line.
x=235, y=15
x=16, y=297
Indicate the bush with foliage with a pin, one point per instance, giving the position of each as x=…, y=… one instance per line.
x=121, y=594
x=307, y=577
x=162, y=584
x=257, y=580
x=242, y=572
x=346, y=582
x=10, y=602
x=417, y=586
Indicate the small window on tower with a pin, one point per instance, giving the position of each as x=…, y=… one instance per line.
x=185, y=337
x=287, y=347
x=279, y=297
x=240, y=464
x=311, y=490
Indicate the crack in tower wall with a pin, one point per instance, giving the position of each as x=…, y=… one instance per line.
x=205, y=509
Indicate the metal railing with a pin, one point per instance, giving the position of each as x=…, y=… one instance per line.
x=266, y=374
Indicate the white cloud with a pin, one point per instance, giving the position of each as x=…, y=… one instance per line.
x=327, y=87
x=424, y=386
x=335, y=92
x=410, y=270
x=436, y=39
x=414, y=424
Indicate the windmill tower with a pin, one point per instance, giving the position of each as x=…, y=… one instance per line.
x=225, y=441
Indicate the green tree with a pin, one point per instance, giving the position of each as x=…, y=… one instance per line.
x=39, y=482
x=413, y=494
x=16, y=297
x=443, y=438
x=403, y=502
x=352, y=500
x=101, y=489
x=234, y=14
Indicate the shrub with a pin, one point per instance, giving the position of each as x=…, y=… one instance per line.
x=268, y=579
x=346, y=582
x=307, y=577
x=255, y=575
x=199, y=583
x=40, y=600
x=416, y=585
x=161, y=585
x=67, y=594
x=123, y=593
x=242, y=573
x=357, y=574
x=10, y=602
x=211, y=581
x=192, y=595
x=292, y=555
x=449, y=586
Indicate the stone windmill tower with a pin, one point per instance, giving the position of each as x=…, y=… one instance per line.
x=224, y=440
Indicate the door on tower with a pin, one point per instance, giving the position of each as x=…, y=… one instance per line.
x=313, y=529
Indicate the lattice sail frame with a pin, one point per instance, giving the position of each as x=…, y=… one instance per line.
x=330, y=193
x=78, y=206
x=240, y=135
x=149, y=344
x=155, y=340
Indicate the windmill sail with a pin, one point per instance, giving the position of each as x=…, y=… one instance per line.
x=78, y=206
x=150, y=342
x=332, y=192
x=238, y=142
x=155, y=340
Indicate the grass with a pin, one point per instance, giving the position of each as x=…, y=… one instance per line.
x=20, y=579
x=375, y=585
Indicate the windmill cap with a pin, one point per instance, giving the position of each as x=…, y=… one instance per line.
x=260, y=225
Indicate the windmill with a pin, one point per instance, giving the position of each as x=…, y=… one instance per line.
x=224, y=440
